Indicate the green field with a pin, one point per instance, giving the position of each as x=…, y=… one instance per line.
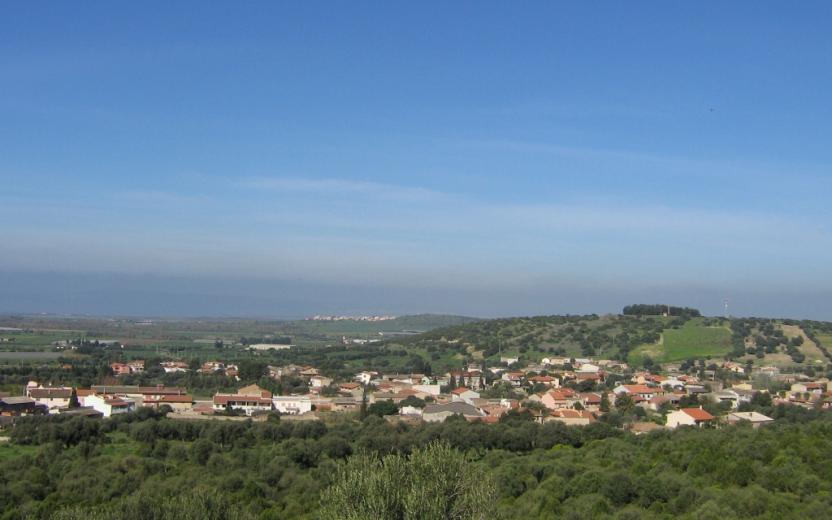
x=10, y=451
x=692, y=340
x=825, y=340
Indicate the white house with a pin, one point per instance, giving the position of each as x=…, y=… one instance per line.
x=320, y=381
x=433, y=390
x=689, y=417
x=250, y=399
x=365, y=377
x=292, y=405
x=109, y=405
x=411, y=411
x=464, y=395
x=52, y=398
x=756, y=419
x=589, y=368
x=172, y=367
x=643, y=391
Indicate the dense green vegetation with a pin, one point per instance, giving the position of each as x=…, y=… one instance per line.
x=659, y=310
x=143, y=466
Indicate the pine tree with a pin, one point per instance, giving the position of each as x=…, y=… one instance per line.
x=605, y=402
x=73, y=399
x=363, y=412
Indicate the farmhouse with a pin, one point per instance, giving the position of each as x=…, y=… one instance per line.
x=51, y=398
x=560, y=398
x=689, y=417
x=643, y=391
x=292, y=405
x=250, y=399
x=109, y=405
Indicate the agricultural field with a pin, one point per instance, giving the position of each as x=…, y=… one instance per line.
x=29, y=356
x=808, y=348
x=825, y=340
x=693, y=340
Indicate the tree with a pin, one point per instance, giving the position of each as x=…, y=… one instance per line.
x=434, y=483
x=605, y=402
x=382, y=408
x=252, y=370
x=624, y=403
x=73, y=399
x=363, y=412
x=412, y=400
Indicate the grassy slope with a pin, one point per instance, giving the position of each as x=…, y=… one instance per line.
x=693, y=340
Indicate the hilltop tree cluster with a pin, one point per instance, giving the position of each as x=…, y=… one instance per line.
x=660, y=310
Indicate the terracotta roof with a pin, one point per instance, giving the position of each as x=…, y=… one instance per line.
x=494, y=409
x=461, y=390
x=640, y=389
x=41, y=393
x=254, y=391
x=173, y=399
x=573, y=414
x=698, y=414
x=542, y=379
x=562, y=393
x=591, y=398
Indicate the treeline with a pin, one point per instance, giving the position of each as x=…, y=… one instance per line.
x=143, y=465
x=642, y=309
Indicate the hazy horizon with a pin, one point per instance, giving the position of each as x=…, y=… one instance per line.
x=201, y=159
x=180, y=297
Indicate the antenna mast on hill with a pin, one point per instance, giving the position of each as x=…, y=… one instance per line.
x=725, y=305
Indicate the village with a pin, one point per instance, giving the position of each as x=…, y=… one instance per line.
x=573, y=391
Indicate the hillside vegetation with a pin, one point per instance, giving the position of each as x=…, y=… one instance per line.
x=632, y=338
x=144, y=465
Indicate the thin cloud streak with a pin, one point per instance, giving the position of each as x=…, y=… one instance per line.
x=389, y=234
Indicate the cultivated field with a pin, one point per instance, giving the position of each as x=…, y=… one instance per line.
x=693, y=340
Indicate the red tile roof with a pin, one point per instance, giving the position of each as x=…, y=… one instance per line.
x=562, y=394
x=573, y=414
x=640, y=389
x=698, y=414
x=173, y=399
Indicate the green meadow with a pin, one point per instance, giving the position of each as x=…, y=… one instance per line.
x=693, y=340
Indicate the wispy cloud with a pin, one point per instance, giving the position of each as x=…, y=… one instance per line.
x=381, y=191
x=386, y=233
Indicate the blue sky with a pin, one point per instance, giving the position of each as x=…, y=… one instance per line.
x=479, y=158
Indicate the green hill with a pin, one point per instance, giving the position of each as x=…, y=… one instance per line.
x=697, y=338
